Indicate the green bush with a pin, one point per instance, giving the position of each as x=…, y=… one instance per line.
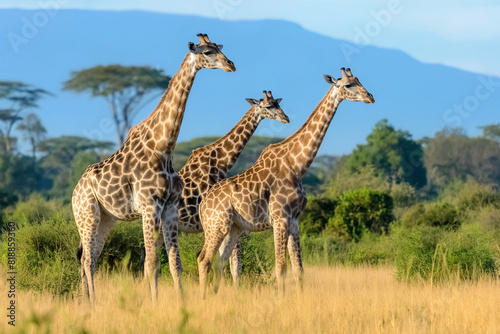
x=428, y=252
x=471, y=195
x=438, y=214
x=359, y=211
x=36, y=209
x=123, y=248
x=45, y=256
x=415, y=250
x=316, y=214
x=257, y=254
x=470, y=252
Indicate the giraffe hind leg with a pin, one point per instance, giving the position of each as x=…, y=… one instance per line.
x=226, y=249
x=169, y=223
x=235, y=263
x=213, y=240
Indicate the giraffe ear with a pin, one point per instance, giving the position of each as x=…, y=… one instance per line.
x=252, y=102
x=193, y=48
x=219, y=46
x=279, y=100
x=329, y=79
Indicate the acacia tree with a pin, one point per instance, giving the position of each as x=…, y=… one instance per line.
x=17, y=97
x=34, y=131
x=125, y=88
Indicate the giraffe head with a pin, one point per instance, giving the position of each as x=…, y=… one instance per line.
x=208, y=55
x=268, y=107
x=349, y=87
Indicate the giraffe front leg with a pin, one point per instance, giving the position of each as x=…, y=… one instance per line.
x=150, y=226
x=170, y=224
x=280, y=241
x=295, y=257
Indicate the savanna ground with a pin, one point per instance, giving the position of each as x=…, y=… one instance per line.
x=339, y=299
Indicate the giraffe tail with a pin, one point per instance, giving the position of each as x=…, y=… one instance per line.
x=79, y=252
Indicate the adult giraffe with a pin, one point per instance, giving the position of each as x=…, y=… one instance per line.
x=269, y=195
x=139, y=180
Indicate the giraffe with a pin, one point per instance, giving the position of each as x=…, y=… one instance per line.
x=139, y=180
x=269, y=195
x=210, y=164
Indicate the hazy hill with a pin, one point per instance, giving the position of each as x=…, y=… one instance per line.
x=270, y=54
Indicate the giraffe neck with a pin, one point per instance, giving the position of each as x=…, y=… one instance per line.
x=234, y=141
x=303, y=145
x=161, y=129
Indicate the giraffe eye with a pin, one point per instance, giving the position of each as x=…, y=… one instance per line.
x=348, y=86
x=207, y=53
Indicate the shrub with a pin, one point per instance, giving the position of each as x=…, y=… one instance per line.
x=428, y=252
x=471, y=195
x=470, y=252
x=403, y=195
x=359, y=211
x=438, y=214
x=36, y=208
x=123, y=248
x=316, y=214
x=45, y=256
x=415, y=251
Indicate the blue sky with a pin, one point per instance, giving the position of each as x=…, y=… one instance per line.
x=458, y=33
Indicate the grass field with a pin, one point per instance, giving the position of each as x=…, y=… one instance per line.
x=334, y=300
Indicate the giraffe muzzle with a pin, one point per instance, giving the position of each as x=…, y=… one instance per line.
x=369, y=98
x=229, y=67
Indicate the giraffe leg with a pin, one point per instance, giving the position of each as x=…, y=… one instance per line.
x=87, y=215
x=235, y=263
x=294, y=251
x=170, y=223
x=150, y=226
x=280, y=241
x=225, y=251
x=213, y=240
x=105, y=225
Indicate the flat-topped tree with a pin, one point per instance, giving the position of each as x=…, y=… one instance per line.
x=139, y=180
x=269, y=195
x=125, y=88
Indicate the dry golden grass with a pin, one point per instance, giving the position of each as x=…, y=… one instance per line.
x=334, y=300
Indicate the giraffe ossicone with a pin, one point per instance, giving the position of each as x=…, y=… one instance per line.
x=269, y=195
x=139, y=180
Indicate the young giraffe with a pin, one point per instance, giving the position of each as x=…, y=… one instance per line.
x=140, y=179
x=210, y=164
x=269, y=195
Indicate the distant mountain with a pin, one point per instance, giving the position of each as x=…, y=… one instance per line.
x=269, y=54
